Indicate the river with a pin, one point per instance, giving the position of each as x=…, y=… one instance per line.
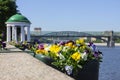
x=110, y=67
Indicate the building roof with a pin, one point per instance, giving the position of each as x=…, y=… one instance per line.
x=18, y=18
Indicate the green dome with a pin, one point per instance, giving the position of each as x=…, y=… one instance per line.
x=18, y=18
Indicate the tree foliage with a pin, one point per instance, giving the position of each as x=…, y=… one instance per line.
x=7, y=9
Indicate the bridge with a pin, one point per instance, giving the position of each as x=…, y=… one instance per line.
x=106, y=36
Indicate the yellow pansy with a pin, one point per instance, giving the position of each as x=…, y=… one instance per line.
x=55, y=48
x=80, y=41
x=76, y=56
x=69, y=44
x=83, y=47
x=40, y=51
x=77, y=41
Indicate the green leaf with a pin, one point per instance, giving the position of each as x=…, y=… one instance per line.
x=79, y=66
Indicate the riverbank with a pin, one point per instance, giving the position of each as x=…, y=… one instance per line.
x=105, y=44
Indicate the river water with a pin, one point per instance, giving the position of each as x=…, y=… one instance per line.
x=110, y=67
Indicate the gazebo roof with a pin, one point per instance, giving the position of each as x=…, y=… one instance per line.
x=18, y=18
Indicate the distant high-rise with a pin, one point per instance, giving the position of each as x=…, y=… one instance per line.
x=37, y=30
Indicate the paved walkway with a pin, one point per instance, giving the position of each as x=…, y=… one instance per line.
x=18, y=65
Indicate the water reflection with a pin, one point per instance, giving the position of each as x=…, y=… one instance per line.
x=110, y=67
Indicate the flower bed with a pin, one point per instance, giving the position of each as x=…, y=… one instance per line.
x=73, y=58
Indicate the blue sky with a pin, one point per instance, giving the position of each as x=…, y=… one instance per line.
x=72, y=15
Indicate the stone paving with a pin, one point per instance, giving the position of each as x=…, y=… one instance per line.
x=18, y=65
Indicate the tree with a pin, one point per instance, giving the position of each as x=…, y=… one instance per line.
x=7, y=9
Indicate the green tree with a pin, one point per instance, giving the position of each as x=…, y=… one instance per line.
x=7, y=9
x=117, y=40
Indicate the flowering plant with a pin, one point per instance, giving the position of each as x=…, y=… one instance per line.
x=2, y=43
x=70, y=56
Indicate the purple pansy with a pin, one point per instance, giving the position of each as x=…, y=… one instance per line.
x=61, y=43
x=90, y=44
x=96, y=54
x=93, y=47
x=3, y=44
x=40, y=46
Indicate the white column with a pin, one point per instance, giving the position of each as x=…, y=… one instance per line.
x=8, y=34
x=15, y=32
x=28, y=33
x=22, y=33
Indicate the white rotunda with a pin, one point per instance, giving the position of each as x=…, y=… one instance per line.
x=13, y=23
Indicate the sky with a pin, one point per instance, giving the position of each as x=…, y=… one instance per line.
x=72, y=15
